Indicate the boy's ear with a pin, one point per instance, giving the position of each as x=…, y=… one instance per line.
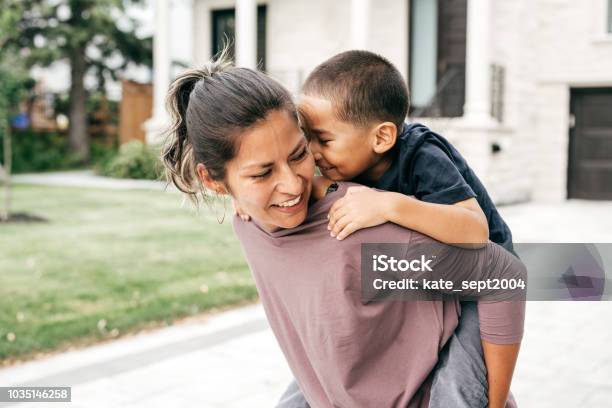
x=208, y=181
x=385, y=136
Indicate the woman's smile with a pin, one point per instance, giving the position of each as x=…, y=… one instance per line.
x=291, y=206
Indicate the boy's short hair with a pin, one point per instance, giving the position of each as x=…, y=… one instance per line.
x=362, y=86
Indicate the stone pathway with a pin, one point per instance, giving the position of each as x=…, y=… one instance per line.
x=85, y=179
x=232, y=359
x=566, y=358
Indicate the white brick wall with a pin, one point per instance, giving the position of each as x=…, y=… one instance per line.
x=510, y=174
x=302, y=34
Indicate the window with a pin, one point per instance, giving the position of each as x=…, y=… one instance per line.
x=224, y=30
x=424, y=52
x=610, y=16
x=437, y=57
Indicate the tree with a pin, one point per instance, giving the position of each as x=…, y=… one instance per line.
x=13, y=83
x=12, y=86
x=94, y=36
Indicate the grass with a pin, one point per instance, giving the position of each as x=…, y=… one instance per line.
x=110, y=262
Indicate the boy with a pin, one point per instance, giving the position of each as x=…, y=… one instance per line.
x=353, y=108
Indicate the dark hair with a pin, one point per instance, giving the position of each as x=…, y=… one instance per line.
x=362, y=86
x=210, y=107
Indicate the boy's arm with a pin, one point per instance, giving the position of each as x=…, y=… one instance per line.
x=362, y=207
x=432, y=176
x=459, y=223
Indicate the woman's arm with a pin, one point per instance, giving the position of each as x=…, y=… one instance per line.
x=500, y=360
x=501, y=322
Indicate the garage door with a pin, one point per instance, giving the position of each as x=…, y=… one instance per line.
x=590, y=156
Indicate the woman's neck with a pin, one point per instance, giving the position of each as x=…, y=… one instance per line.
x=320, y=184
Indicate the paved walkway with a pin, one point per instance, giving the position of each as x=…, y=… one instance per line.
x=232, y=359
x=85, y=179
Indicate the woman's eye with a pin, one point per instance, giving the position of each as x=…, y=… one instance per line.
x=323, y=142
x=301, y=155
x=262, y=175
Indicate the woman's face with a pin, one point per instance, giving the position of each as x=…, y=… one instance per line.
x=271, y=176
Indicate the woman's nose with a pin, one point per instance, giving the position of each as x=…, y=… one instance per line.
x=290, y=182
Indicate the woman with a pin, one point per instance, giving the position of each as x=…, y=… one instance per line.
x=236, y=132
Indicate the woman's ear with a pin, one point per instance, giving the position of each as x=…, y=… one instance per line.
x=208, y=181
x=385, y=136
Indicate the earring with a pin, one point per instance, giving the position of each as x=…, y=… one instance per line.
x=220, y=197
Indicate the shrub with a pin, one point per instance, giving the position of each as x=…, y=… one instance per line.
x=102, y=154
x=40, y=151
x=134, y=160
x=35, y=151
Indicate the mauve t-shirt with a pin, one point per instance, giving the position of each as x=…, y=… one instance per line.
x=342, y=352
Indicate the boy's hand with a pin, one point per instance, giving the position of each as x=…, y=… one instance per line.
x=244, y=216
x=359, y=208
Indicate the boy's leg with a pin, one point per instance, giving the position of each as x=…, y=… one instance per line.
x=460, y=378
x=292, y=397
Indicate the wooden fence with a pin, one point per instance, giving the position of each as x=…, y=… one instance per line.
x=136, y=107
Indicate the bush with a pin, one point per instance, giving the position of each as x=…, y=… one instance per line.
x=102, y=154
x=40, y=151
x=134, y=160
x=35, y=151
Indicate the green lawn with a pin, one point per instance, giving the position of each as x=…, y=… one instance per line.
x=110, y=262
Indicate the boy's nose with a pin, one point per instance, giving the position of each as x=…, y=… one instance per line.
x=314, y=149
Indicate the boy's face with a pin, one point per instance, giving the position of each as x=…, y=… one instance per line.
x=341, y=150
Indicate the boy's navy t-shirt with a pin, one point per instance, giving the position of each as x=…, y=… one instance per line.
x=426, y=166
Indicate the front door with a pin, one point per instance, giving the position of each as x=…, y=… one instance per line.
x=590, y=155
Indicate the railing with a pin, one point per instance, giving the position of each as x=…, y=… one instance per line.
x=498, y=82
x=432, y=107
x=439, y=106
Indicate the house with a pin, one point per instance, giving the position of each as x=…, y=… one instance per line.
x=522, y=87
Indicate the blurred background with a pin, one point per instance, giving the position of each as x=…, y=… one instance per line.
x=98, y=257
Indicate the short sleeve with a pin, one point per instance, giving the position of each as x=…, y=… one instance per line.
x=436, y=178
